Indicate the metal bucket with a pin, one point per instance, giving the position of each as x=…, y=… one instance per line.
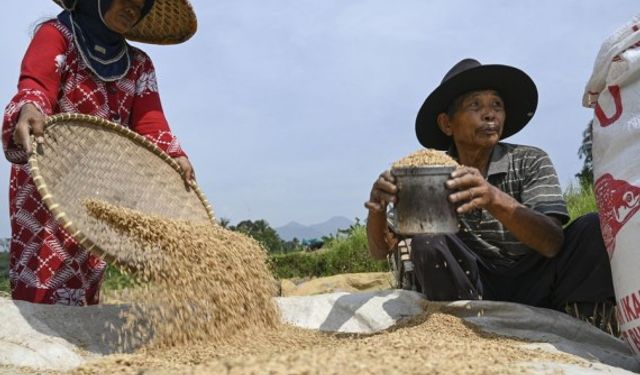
x=423, y=206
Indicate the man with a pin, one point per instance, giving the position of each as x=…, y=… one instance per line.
x=511, y=246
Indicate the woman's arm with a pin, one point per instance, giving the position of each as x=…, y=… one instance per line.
x=38, y=85
x=147, y=119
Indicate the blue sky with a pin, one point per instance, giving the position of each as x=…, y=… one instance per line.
x=289, y=109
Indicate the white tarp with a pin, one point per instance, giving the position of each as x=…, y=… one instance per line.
x=368, y=312
x=60, y=338
x=32, y=343
x=44, y=337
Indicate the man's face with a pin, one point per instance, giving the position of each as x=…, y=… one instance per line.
x=477, y=120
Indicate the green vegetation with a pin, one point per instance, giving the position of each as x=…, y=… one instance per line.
x=114, y=279
x=4, y=272
x=580, y=200
x=585, y=176
x=261, y=231
x=344, y=253
x=348, y=252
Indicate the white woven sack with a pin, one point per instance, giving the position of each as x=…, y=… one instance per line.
x=614, y=92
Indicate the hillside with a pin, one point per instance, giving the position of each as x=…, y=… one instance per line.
x=296, y=230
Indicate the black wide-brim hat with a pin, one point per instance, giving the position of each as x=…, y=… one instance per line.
x=515, y=87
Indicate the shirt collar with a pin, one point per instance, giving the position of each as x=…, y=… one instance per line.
x=499, y=162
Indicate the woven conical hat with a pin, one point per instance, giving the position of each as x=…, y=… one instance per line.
x=168, y=22
x=86, y=158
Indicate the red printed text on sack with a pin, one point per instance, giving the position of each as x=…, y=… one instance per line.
x=617, y=100
x=618, y=201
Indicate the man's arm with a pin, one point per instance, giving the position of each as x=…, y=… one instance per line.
x=376, y=234
x=536, y=230
x=379, y=237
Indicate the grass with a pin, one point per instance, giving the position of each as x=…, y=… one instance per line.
x=4, y=272
x=350, y=254
x=114, y=279
x=580, y=200
x=344, y=254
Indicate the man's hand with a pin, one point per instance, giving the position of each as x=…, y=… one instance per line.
x=383, y=192
x=540, y=232
x=379, y=238
x=31, y=121
x=188, y=174
x=472, y=190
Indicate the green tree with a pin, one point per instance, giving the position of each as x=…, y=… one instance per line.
x=293, y=245
x=351, y=229
x=585, y=176
x=224, y=222
x=263, y=233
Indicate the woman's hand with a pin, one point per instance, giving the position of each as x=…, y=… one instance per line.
x=188, y=174
x=383, y=192
x=472, y=190
x=30, y=121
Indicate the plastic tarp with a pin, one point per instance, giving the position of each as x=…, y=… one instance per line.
x=44, y=337
x=59, y=338
x=369, y=312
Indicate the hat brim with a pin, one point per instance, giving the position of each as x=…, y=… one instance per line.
x=517, y=89
x=168, y=22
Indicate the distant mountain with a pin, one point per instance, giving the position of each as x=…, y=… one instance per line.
x=307, y=232
x=297, y=230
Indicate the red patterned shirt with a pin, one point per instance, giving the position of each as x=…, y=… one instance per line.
x=46, y=264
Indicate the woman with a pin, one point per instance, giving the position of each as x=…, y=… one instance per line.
x=80, y=62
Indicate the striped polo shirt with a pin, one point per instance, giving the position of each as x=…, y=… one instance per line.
x=527, y=174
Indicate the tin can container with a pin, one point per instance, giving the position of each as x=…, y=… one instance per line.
x=423, y=206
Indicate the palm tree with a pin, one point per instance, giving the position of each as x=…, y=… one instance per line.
x=224, y=222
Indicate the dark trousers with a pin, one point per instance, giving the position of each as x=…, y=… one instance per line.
x=446, y=269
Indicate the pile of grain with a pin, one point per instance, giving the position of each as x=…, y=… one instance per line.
x=204, y=283
x=208, y=304
x=433, y=343
x=425, y=157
